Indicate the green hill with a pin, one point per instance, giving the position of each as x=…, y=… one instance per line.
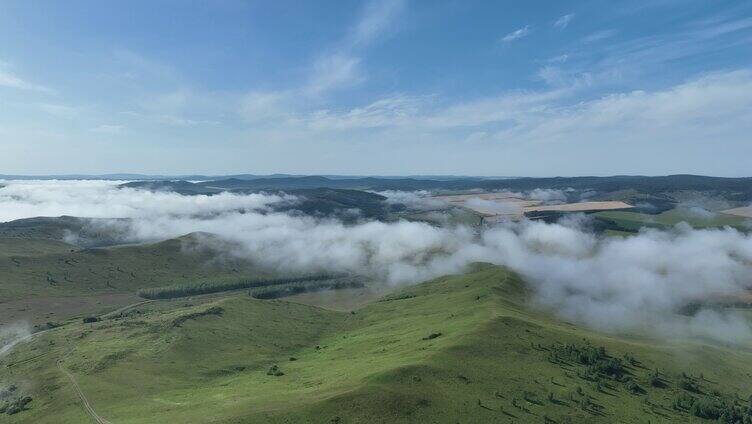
x=464, y=348
x=633, y=221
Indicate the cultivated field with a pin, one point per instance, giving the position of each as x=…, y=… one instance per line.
x=745, y=212
x=581, y=207
x=505, y=205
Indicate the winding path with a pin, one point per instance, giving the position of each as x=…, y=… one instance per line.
x=87, y=405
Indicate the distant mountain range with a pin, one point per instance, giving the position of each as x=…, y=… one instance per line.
x=197, y=177
x=734, y=189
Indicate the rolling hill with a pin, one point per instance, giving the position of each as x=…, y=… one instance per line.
x=463, y=348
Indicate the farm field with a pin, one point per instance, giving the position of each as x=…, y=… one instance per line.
x=744, y=212
x=506, y=205
x=581, y=207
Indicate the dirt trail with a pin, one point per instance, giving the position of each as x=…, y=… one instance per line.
x=87, y=405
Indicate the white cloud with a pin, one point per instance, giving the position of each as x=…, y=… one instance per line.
x=516, y=35
x=559, y=59
x=376, y=19
x=10, y=80
x=338, y=69
x=612, y=284
x=563, y=21
x=599, y=35
x=333, y=72
x=711, y=104
x=388, y=111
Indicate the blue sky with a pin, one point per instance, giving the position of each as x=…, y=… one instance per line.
x=389, y=88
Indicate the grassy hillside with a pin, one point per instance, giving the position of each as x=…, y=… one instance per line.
x=633, y=221
x=69, y=271
x=47, y=280
x=82, y=232
x=462, y=348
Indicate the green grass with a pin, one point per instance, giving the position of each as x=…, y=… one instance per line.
x=207, y=360
x=56, y=269
x=25, y=247
x=633, y=221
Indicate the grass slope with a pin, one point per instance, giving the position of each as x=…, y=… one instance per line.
x=56, y=269
x=464, y=348
x=633, y=221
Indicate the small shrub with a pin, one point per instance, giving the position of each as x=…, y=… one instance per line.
x=275, y=371
x=88, y=320
x=687, y=384
x=432, y=336
x=633, y=387
x=654, y=379
x=683, y=402
x=706, y=408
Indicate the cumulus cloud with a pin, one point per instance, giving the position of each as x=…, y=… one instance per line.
x=638, y=283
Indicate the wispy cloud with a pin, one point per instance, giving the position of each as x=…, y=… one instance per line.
x=559, y=59
x=376, y=19
x=563, y=21
x=706, y=107
x=337, y=69
x=516, y=35
x=340, y=67
x=334, y=72
x=9, y=79
x=599, y=35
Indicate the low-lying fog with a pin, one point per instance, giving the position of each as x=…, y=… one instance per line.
x=614, y=284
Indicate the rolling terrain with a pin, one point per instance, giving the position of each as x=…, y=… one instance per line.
x=464, y=348
x=655, y=188
x=46, y=280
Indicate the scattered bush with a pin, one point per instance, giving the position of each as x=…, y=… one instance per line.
x=584, y=355
x=214, y=310
x=633, y=387
x=432, y=336
x=684, y=401
x=654, y=379
x=706, y=408
x=688, y=384
x=275, y=371
x=16, y=405
x=611, y=367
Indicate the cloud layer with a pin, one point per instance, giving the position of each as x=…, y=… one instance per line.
x=613, y=284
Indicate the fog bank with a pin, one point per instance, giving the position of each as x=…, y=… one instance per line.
x=613, y=284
